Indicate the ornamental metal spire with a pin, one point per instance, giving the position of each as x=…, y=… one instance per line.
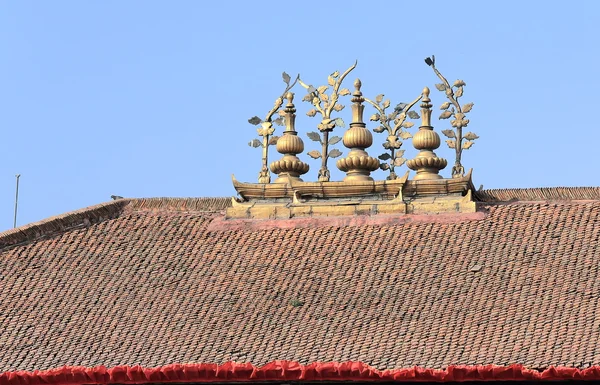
x=290, y=144
x=358, y=164
x=426, y=164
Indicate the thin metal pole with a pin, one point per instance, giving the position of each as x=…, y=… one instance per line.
x=16, y=200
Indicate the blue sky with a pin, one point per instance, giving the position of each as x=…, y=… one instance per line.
x=151, y=98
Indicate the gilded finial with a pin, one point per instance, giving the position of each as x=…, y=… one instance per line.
x=426, y=163
x=358, y=165
x=290, y=167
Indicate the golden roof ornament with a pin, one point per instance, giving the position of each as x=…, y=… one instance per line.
x=453, y=109
x=289, y=144
x=426, y=163
x=324, y=105
x=358, y=193
x=395, y=125
x=266, y=129
x=358, y=165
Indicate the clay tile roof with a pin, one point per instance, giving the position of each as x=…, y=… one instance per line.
x=154, y=282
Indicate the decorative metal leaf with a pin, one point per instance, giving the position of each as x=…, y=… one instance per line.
x=322, y=89
x=330, y=80
x=459, y=92
x=451, y=143
x=471, y=136
x=340, y=122
x=400, y=107
x=374, y=117
x=459, y=83
x=399, y=162
x=279, y=121
x=281, y=112
x=334, y=153
x=384, y=166
x=413, y=115
x=286, y=78
x=311, y=113
x=467, y=107
x=254, y=143
x=379, y=98
x=407, y=124
x=445, y=106
x=467, y=145
x=385, y=156
x=314, y=136
x=314, y=154
x=338, y=107
x=255, y=120
x=405, y=135
x=344, y=92
x=386, y=104
x=445, y=115
x=392, y=116
x=335, y=74
x=273, y=140
x=324, y=97
x=334, y=139
x=307, y=98
x=449, y=133
x=440, y=86
x=379, y=129
x=399, y=153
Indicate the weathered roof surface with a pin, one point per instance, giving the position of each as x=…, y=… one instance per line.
x=154, y=282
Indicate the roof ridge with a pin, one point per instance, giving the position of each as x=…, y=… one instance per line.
x=58, y=223
x=539, y=194
x=106, y=210
x=204, y=204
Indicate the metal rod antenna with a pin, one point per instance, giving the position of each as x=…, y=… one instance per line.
x=16, y=200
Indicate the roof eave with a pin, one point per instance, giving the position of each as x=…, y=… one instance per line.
x=289, y=371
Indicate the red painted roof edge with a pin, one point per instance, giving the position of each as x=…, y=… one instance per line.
x=288, y=371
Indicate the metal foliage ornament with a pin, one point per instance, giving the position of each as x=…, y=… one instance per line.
x=453, y=109
x=266, y=129
x=395, y=125
x=324, y=105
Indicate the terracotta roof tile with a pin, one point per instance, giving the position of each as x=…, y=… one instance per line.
x=151, y=283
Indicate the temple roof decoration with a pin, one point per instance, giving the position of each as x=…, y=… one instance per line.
x=291, y=194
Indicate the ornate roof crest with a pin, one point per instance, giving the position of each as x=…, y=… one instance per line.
x=289, y=196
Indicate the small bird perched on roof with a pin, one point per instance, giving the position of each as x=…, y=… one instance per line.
x=115, y=197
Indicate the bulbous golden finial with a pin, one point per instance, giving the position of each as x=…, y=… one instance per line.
x=289, y=145
x=358, y=164
x=426, y=163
